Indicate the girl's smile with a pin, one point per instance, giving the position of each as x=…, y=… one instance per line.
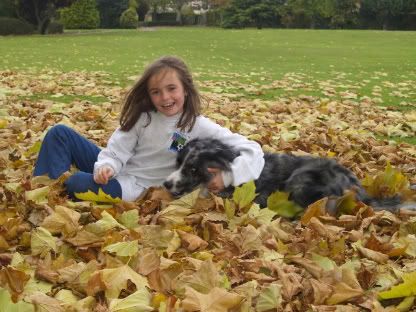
x=166, y=92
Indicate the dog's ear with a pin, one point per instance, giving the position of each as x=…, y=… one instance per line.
x=219, y=158
x=181, y=155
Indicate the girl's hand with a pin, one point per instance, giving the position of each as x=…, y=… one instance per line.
x=216, y=184
x=103, y=174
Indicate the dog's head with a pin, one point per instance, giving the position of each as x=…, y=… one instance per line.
x=193, y=161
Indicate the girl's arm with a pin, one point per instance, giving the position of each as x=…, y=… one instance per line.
x=245, y=167
x=120, y=148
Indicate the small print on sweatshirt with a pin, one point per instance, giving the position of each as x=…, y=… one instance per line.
x=178, y=141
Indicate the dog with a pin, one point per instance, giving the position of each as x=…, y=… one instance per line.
x=306, y=178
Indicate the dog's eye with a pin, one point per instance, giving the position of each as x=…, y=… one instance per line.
x=193, y=169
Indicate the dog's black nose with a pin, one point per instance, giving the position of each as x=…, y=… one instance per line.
x=168, y=184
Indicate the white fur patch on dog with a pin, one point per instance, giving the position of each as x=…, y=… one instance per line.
x=227, y=178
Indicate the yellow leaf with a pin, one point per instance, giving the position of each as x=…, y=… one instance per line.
x=157, y=299
x=115, y=280
x=136, y=302
x=101, y=197
x=270, y=298
x=177, y=210
x=39, y=196
x=405, y=289
x=129, y=219
x=279, y=202
x=346, y=203
x=34, y=149
x=123, y=249
x=244, y=195
x=324, y=262
x=42, y=242
x=8, y=305
x=386, y=184
x=3, y=123
x=406, y=304
x=229, y=208
x=106, y=223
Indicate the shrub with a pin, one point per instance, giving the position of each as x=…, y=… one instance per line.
x=82, y=14
x=164, y=17
x=55, y=28
x=235, y=18
x=14, y=26
x=129, y=18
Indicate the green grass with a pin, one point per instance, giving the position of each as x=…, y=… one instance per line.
x=64, y=98
x=318, y=53
x=350, y=60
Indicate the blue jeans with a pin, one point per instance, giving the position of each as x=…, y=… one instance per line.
x=61, y=148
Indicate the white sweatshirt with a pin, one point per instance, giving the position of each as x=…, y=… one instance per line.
x=146, y=155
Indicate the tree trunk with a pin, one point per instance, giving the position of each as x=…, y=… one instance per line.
x=179, y=16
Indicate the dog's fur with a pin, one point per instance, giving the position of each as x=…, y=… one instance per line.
x=306, y=179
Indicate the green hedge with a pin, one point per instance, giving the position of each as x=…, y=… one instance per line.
x=55, y=28
x=82, y=14
x=159, y=23
x=164, y=17
x=129, y=19
x=14, y=26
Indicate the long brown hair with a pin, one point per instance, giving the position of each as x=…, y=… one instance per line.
x=138, y=101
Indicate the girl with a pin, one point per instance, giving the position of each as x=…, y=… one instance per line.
x=160, y=114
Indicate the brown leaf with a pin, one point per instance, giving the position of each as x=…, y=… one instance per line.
x=45, y=303
x=316, y=210
x=373, y=255
x=342, y=292
x=46, y=273
x=85, y=238
x=148, y=261
x=13, y=280
x=330, y=232
x=321, y=291
x=217, y=300
x=192, y=242
x=291, y=284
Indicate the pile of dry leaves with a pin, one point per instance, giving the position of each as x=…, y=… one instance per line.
x=203, y=254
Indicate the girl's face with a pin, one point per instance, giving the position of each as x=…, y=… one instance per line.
x=166, y=92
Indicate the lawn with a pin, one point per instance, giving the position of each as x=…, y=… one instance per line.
x=361, y=57
x=334, y=64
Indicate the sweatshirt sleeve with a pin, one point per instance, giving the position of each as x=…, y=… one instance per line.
x=120, y=148
x=249, y=164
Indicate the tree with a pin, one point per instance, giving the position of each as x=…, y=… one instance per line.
x=242, y=13
x=7, y=8
x=142, y=8
x=263, y=14
x=345, y=13
x=39, y=12
x=110, y=12
x=386, y=11
x=306, y=13
x=178, y=4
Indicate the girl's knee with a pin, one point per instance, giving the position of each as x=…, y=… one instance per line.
x=79, y=182
x=58, y=130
